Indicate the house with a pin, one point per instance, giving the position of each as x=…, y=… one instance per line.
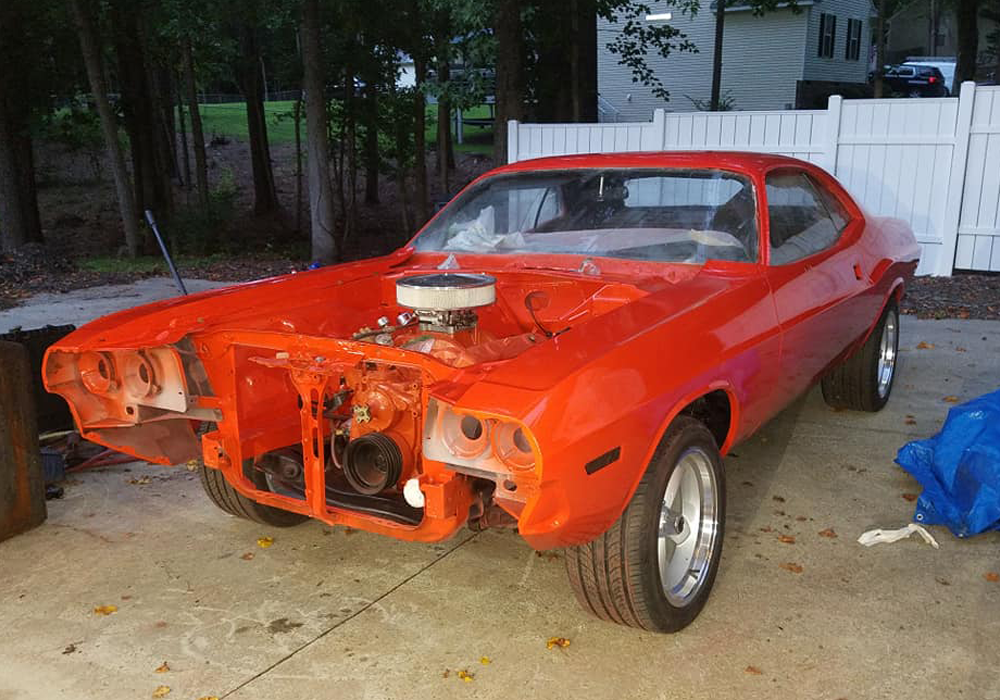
x=764, y=59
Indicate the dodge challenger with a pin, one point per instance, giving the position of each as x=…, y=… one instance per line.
x=569, y=348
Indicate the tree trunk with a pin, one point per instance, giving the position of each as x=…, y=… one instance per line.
x=24, y=156
x=879, y=86
x=371, y=145
x=510, y=73
x=967, y=13
x=182, y=128
x=197, y=134
x=720, y=33
x=145, y=134
x=420, y=142
x=584, y=62
x=252, y=84
x=324, y=246
x=351, y=141
x=445, y=154
x=95, y=75
x=13, y=232
x=297, y=115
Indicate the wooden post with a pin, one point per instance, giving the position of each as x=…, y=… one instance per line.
x=22, y=485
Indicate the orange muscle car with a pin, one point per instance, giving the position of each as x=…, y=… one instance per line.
x=568, y=348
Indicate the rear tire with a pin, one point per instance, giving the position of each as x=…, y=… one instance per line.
x=620, y=576
x=863, y=382
x=228, y=499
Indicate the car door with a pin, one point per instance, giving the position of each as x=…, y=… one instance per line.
x=814, y=270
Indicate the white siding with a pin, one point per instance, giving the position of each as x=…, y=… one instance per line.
x=762, y=61
x=838, y=68
x=763, y=58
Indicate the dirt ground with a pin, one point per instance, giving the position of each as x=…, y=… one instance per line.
x=80, y=220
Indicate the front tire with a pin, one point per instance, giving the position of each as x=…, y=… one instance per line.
x=231, y=501
x=654, y=568
x=864, y=381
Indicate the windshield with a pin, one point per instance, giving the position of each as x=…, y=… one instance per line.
x=643, y=214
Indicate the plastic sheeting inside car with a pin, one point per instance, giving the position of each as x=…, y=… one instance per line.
x=959, y=469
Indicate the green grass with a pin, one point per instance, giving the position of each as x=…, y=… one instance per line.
x=231, y=120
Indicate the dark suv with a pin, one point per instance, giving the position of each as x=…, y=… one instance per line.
x=915, y=81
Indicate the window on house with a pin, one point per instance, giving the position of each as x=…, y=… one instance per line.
x=827, y=35
x=852, y=52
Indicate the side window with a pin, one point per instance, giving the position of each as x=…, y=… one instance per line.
x=804, y=218
x=827, y=35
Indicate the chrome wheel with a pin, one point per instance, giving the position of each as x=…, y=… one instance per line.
x=688, y=527
x=887, y=354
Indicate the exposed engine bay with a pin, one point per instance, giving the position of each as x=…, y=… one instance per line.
x=288, y=403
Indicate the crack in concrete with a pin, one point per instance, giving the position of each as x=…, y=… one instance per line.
x=350, y=617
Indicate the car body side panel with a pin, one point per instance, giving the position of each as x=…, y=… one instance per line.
x=624, y=400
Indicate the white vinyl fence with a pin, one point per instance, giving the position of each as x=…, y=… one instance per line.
x=934, y=162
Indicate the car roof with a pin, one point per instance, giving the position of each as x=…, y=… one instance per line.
x=740, y=161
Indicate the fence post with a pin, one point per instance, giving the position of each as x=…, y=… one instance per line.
x=512, y=125
x=956, y=183
x=660, y=129
x=832, y=135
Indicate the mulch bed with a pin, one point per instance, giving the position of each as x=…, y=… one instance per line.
x=959, y=296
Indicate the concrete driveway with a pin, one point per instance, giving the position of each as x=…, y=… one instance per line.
x=330, y=613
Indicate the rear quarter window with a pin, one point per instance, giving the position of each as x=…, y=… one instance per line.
x=803, y=217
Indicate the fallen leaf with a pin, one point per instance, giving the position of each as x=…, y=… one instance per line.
x=209, y=697
x=247, y=556
x=801, y=518
x=950, y=399
x=942, y=581
x=485, y=660
x=161, y=691
x=163, y=668
x=69, y=648
x=786, y=539
x=560, y=642
x=992, y=576
x=141, y=481
x=828, y=532
x=265, y=542
x=960, y=349
x=789, y=566
x=105, y=609
x=768, y=528
x=924, y=345
x=911, y=497
x=466, y=676
x=779, y=499
x=192, y=465
x=752, y=670
x=447, y=672
x=910, y=421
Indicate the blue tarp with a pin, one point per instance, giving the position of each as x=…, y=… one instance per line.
x=959, y=469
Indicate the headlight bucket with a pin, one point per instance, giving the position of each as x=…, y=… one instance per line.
x=482, y=442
